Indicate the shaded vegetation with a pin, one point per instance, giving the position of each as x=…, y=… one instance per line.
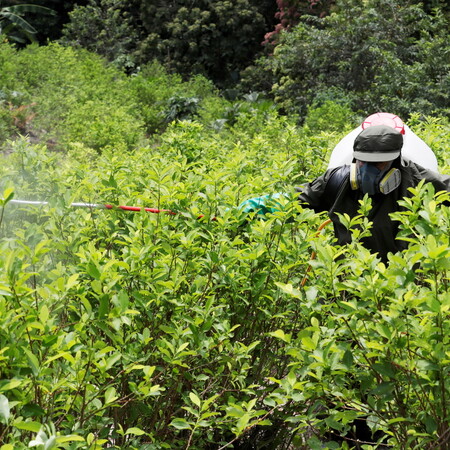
x=380, y=55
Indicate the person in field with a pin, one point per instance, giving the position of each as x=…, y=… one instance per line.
x=377, y=168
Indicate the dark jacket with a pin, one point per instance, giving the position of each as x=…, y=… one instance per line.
x=332, y=192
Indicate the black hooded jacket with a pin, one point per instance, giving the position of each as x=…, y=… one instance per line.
x=332, y=192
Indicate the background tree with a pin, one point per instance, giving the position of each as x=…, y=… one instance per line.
x=214, y=38
x=429, y=5
x=268, y=9
x=288, y=13
x=105, y=28
x=376, y=55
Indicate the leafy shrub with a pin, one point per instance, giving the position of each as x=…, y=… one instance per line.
x=109, y=127
x=434, y=131
x=181, y=108
x=252, y=104
x=329, y=116
x=129, y=280
x=182, y=331
x=153, y=87
x=6, y=122
x=195, y=329
x=68, y=85
x=375, y=337
x=7, y=78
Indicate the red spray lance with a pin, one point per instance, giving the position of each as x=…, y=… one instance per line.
x=95, y=205
x=102, y=206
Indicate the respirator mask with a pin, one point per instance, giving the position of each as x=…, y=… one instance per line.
x=371, y=180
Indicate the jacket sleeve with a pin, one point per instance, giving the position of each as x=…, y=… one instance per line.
x=439, y=181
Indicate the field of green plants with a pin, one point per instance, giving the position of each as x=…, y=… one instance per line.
x=195, y=330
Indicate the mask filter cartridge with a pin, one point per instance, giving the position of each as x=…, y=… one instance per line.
x=390, y=181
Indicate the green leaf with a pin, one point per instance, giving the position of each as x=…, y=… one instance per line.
x=385, y=368
x=180, y=424
x=92, y=270
x=44, y=314
x=135, y=431
x=291, y=378
x=7, y=447
x=4, y=409
x=66, y=355
x=110, y=395
x=28, y=426
x=333, y=424
x=112, y=360
x=194, y=399
x=103, y=308
x=289, y=289
x=308, y=343
x=5, y=293
x=72, y=281
x=384, y=389
x=123, y=300
x=8, y=194
x=33, y=361
x=347, y=359
x=398, y=420
x=315, y=444
x=11, y=384
x=279, y=334
x=32, y=410
x=70, y=438
x=242, y=423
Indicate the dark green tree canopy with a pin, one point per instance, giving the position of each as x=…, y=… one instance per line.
x=373, y=55
x=377, y=55
x=105, y=28
x=213, y=38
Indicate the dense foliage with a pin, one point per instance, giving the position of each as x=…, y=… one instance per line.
x=213, y=38
x=106, y=29
x=60, y=95
x=289, y=13
x=376, y=55
x=199, y=329
x=387, y=55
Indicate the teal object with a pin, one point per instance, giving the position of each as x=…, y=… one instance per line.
x=262, y=205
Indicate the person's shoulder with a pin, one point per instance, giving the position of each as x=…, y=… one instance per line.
x=412, y=167
x=336, y=176
x=415, y=172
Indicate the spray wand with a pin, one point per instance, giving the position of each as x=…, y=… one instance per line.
x=95, y=205
x=102, y=206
